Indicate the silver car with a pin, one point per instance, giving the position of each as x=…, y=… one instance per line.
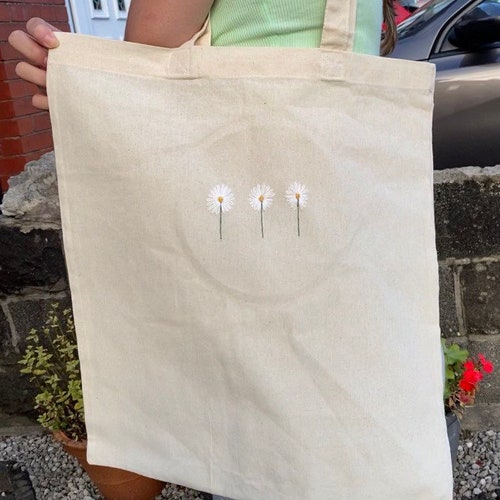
x=462, y=38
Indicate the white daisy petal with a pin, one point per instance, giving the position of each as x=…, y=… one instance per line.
x=297, y=192
x=220, y=198
x=261, y=196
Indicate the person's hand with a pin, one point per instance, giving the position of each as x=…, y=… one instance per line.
x=33, y=45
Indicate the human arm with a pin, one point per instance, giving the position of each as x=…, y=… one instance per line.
x=165, y=23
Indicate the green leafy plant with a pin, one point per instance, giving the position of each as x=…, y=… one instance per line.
x=51, y=361
x=462, y=377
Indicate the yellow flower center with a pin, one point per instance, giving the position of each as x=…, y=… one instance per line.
x=261, y=198
x=297, y=196
x=220, y=199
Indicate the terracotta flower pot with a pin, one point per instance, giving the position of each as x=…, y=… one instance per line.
x=112, y=483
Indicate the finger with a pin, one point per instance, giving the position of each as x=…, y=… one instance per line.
x=40, y=101
x=42, y=32
x=28, y=47
x=31, y=74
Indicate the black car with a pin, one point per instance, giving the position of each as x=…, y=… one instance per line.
x=462, y=38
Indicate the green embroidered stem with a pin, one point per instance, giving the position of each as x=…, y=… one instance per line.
x=220, y=220
x=298, y=218
x=262, y=218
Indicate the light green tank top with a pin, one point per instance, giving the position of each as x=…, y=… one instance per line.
x=288, y=23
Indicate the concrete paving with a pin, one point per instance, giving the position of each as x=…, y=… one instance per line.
x=18, y=425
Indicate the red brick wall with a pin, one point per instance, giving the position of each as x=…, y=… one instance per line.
x=24, y=131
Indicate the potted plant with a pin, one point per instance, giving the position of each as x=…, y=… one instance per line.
x=463, y=375
x=51, y=361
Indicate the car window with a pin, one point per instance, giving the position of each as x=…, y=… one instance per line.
x=485, y=9
x=421, y=17
x=412, y=4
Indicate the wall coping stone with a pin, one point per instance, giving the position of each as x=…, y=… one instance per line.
x=466, y=174
x=33, y=195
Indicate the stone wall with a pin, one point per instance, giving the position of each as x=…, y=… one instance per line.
x=467, y=205
x=32, y=272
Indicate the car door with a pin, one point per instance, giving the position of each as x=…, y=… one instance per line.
x=467, y=96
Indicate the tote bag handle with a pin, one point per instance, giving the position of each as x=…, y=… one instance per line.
x=338, y=27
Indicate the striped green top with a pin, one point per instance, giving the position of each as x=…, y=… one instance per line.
x=288, y=23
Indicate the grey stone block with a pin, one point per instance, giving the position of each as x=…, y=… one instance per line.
x=467, y=211
x=32, y=259
x=480, y=283
x=447, y=301
x=30, y=313
x=482, y=417
x=18, y=425
x=16, y=392
x=6, y=347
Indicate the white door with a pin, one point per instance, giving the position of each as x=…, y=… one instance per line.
x=105, y=18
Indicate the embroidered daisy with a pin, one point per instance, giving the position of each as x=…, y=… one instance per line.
x=261, y=198
x=297, y=196
x=220, y=199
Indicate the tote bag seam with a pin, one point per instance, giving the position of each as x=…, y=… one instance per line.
x=427, y=90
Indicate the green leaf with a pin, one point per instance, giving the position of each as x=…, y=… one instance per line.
x=51, y=361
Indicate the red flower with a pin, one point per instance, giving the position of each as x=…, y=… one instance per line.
x=472, y=371
x=486, y=364
x=469, y=365
x=466, y=386
x=470, y=378
x=473, y=376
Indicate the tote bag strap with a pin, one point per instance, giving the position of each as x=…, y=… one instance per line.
x=338, y=27
x=202, y=37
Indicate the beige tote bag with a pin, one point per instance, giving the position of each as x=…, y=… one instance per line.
x=250, y=243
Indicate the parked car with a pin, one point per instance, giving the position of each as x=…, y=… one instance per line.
x=412, y=5
x=462, y=38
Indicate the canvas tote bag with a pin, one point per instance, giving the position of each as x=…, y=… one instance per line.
x=250, y=244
